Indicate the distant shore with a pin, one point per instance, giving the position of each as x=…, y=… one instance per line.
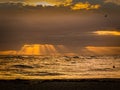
x=61, y=84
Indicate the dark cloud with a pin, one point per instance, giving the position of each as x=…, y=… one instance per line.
x=91, y=1
x=68, y=29
x=106, y=5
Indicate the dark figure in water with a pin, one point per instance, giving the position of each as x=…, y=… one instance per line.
x=113, y=66
x=106, y=15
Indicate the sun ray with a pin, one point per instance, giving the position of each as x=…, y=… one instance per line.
x=36, y=50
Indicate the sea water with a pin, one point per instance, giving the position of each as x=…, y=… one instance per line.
x=59, y=67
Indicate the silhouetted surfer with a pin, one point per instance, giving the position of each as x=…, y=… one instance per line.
x=106, y=16
x=113, y=66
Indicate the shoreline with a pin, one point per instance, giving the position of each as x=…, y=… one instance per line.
x=61, y=84
x=77, y=79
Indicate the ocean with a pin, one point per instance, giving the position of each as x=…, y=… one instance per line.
x=59, y=67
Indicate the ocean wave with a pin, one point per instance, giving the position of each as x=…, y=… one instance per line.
x=102, y=69
x=22, y=66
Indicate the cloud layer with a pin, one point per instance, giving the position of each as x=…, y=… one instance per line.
x=48, y=2
x=107, y=33
x=117, y=2
x=85, y=5
x=76, y=24
x=49, y=49
x=72, y=4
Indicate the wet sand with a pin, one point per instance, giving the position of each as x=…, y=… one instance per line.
x=71, y=84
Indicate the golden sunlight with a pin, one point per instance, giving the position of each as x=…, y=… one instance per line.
x=114, y=33
x=47, y=2
x=103, y=50
x=38, y=49
x=85, y=5
x=10, y=52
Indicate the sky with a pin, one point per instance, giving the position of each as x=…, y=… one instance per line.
x=60, y=26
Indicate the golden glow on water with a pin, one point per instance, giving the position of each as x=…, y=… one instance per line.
x=113, y=33
x=60, y=67
x=65, y=77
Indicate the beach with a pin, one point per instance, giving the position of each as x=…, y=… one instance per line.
x=64, y=84
x=60, y=73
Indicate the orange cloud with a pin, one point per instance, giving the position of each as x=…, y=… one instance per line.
x=74, y=5
x=47, y=2
x=103, y=50
x=113, y=33
x=85, y=5
x=11, y=52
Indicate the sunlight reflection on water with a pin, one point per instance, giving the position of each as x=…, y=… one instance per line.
x=59, y=67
